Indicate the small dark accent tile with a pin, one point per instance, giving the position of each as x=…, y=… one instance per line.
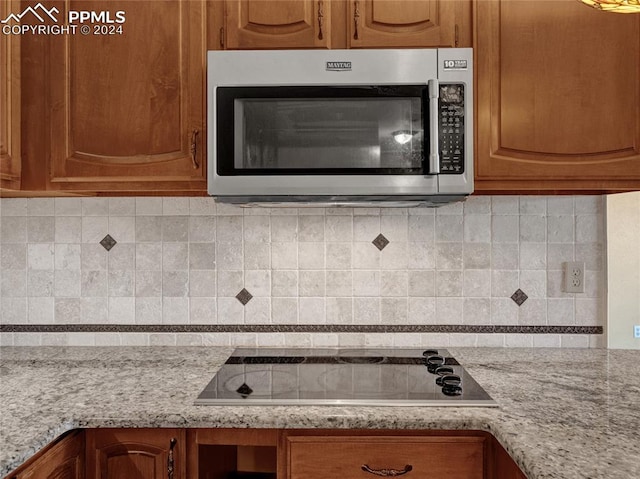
x=244, y=296
x=380, y=242
x=519, y=297
x=108, y=242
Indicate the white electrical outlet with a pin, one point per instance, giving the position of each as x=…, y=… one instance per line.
x=574, y=277
x=636, y=331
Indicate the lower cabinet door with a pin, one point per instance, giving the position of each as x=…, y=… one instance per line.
x=136, y=454
x=366, y=457
x=63, y=460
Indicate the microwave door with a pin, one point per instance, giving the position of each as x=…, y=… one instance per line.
x=323, y=130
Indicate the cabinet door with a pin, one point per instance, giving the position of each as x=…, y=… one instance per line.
x=256, y=24
x=64, y=460
x=558, y=97
x=10, y=165
x=409, y=23
x=126, y=110
x=362, y=457
x=136, y=454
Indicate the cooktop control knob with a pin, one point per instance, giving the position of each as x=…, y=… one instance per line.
x=434, y=362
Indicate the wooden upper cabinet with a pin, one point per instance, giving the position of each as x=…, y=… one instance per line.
x=408, y=23
x=10, y=161
x=558, y=97
x=136, y=454
x=127, y=110
x=258, y=24
x=63, y=460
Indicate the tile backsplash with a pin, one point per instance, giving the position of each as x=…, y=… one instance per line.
x=115, y=262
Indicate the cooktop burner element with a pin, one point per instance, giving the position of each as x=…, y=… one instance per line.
x=366, y=377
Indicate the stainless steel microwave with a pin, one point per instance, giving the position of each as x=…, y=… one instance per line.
x=353, y=127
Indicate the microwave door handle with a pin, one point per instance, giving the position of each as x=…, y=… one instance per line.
x=434, y=130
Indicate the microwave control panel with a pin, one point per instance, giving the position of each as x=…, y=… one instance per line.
x=451, y=138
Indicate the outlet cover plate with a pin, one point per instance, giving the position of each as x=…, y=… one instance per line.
x=574, y=277
x=636, y=331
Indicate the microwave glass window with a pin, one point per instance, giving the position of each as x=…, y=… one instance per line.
x=328, y=133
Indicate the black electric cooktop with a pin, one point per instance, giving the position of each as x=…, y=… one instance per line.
x=364, y=377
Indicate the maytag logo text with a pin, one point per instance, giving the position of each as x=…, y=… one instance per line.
x=339, y=66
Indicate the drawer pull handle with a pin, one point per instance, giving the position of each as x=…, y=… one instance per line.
x=387, y=472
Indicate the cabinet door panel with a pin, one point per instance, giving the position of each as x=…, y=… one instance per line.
x=558, y=94
x=10, y=161
x=401, y=23
x=277, y=24
x=124, y=108
x=64, y=460
x=131, y=460
x=134, y=453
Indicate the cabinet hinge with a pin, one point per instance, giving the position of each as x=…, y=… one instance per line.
x=222, y=36
x=457, y=36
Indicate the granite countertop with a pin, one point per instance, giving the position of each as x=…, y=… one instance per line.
x=564, y=413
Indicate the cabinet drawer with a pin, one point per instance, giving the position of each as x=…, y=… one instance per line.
x=342, y=457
